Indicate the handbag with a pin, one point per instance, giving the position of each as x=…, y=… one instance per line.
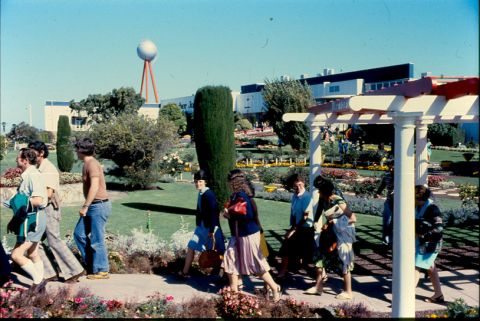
x=239, y=208
x=263, y=245
x=210, y=258
x=328, y=239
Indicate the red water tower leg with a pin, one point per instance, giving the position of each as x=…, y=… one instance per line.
x=146, y=84
x=153, y=81
x=143, y=75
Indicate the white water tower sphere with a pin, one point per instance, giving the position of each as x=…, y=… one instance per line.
x=147, y=50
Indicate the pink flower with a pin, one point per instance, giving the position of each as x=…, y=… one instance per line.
x=169, y=298
x=78, y=300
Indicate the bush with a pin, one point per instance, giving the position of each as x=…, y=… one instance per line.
x=279, y=196
x=65, y=157
x=352, y=310
x=459, y=309
x=365, y=205
x=237, y=304
x=434, y=180
x=334, y=173
x=135, y=144
x=467, y=214
x=367, y=187
x=468, y=193
x=267, y=175
x=243, y=124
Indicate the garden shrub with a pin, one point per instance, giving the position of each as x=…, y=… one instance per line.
x=446, y=184
x=367, y=187
x=279, y=196
x=434, y=180
x=195, y=308
x=214, y=139
x=267, y=175
x=232, y=304
x=467, y=214
x=65, y=157
x=459, y=309
x=352, y=310
x=468, y=193
x=171, y=164
x=334, y=173
x=365, y=205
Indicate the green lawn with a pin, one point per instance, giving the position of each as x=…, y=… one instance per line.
x=440, y=155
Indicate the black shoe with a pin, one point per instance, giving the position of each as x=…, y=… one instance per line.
x=438, y=299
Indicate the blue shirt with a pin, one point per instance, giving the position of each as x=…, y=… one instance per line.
x=301, y=204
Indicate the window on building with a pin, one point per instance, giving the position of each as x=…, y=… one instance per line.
x=334, y=89
x=79, y=121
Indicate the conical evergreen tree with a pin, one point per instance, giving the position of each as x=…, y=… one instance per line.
x=214, y=140
x=65, y=157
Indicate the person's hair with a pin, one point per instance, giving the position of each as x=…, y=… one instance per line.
x=292, y=179
x=86, y=146
x=28, y=154
x=251, y=187
x=422, y=193
x=200, y=175
x=239, y=181
x=325, y=188
x=39, y=147
x=318, y=181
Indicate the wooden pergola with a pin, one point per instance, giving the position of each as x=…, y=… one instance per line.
x=409, y=106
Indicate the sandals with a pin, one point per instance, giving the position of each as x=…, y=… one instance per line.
x=438, y=299
x=182, y=275
x=313, y=291
x=277, y=297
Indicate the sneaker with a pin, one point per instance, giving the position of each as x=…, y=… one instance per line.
x=313, y=291
x=98, y=276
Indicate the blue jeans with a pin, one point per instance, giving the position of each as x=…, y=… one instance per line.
x=89, y=235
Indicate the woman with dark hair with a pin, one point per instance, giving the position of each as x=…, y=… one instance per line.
x=340, y=260
x=428, y=241
x=243, y=255
x=207, y=227
x=299, y=239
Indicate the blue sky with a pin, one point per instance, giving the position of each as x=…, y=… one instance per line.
x=63, y=50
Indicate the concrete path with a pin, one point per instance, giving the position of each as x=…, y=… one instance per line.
x=373, y=291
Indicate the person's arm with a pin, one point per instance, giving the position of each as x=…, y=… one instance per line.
x=212, y=217
x=434, y=218
x=352, y=218
x=36, y=201
x=94, y=186
x=382, y=186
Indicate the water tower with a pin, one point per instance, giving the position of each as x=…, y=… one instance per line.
x=147, y=51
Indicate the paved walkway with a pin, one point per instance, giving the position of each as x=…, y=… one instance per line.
x=373, y=291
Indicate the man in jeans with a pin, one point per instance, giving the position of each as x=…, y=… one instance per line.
x=69, y=267
x=89, y=233
x=387, y=221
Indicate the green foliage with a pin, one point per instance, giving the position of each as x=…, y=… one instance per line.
x=446, y=134
x=459, y=309
x=288, y=97
x=268, y=175
x=213, y=113
x=468, y=194
x=102, y=108
x=46, y=136
x=366, y=188
x=23, y=133
x=243, y=124
x=3, y=146
x=174, y=113
x=134, y=143
x=65, y=156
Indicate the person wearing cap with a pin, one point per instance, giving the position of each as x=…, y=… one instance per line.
x=89, y=232
x=207, y=223
x=69, y=267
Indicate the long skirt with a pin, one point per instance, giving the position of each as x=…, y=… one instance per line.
x=245, y=258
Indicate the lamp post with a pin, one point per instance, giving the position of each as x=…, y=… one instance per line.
x=3, y=126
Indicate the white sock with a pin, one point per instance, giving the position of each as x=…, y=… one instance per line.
x=32, y=271
x=40, y=268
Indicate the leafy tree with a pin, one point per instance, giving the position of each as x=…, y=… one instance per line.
x=65, y=156
x=101, y=108
x=445, y=134
x=214, y=141
x=243, y=124
x=288, y=97
x=135, y=144
x=174, y=113
x=46, y=136
x=23, y=133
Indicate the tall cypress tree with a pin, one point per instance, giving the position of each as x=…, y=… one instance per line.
x=214, y=140
x=65, y=157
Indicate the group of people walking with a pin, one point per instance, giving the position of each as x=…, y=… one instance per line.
x=322, y=240
x=37, y=213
